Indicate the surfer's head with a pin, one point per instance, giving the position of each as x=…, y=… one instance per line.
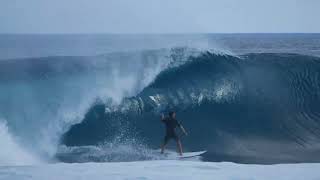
x=172, y=114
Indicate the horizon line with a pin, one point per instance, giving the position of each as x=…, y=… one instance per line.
x=142, y=33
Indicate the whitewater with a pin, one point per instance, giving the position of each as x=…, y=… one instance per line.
x=92, y=110
x=154, y=170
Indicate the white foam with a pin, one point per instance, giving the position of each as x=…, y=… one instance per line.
x=11, y=152
x=154, y=170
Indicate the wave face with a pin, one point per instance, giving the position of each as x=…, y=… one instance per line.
x=256, y=108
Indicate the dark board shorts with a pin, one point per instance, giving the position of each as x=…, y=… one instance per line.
x=171, y=136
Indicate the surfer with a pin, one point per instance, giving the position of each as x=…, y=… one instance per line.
x=171, y=123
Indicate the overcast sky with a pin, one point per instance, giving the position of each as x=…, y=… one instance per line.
x=159, y=16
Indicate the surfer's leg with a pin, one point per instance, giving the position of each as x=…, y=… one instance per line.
x=165, y=142
x=179, y=146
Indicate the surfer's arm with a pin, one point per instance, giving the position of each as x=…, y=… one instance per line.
x=183, y=130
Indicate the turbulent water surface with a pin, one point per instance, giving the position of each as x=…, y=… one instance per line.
x=243, y=98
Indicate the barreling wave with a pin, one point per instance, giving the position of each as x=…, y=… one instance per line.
x=261, y=108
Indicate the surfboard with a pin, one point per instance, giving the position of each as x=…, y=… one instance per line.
x=191, y=154
x=175, y=155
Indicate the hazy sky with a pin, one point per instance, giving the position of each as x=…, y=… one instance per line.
x=158, y=16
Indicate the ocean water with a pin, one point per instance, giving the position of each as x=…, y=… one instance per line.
x=247, y=98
